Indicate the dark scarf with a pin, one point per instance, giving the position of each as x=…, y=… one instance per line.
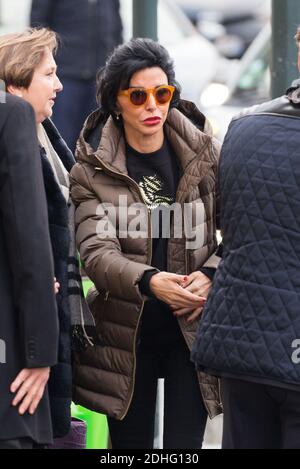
x=72, y=308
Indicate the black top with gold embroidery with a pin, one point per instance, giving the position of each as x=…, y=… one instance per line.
x=157, y=175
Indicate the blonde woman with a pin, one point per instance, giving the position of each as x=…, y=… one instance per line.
x=28, y=68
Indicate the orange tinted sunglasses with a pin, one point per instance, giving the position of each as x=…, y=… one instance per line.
x=139, y=96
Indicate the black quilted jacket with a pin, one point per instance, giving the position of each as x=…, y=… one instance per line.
x=251, y=324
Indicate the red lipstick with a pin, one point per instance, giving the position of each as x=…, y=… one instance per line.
x=152, y=121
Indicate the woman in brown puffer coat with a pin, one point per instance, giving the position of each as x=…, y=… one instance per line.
x=144, y=186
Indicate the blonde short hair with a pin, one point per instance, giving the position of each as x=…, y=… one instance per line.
x=21, y=53
x=297, y=37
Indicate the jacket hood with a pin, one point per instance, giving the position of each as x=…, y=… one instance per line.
x=101, y=141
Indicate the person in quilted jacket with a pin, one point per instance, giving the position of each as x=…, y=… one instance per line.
x=142, y=158
x=249, y=333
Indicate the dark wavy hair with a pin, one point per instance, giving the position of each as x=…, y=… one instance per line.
x=127, y=59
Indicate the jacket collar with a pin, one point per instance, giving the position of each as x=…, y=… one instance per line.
x=103, y=142
x=59, y=144
x=293, y=92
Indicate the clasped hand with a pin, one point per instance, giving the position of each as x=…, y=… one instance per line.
x=186, y=296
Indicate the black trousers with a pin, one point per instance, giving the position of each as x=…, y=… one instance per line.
x=257, y=416
x=185, y=415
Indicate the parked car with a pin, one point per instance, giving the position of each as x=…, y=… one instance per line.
x=249, y=85
x=230, y=24
x=196, y=59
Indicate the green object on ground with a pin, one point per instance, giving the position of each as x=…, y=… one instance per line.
x=87, y=284
x=97, y=429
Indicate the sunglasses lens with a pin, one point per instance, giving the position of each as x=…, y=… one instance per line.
x=163, y=95
x=138, y=97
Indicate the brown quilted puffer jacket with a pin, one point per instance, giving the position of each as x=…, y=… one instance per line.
x=104, y=375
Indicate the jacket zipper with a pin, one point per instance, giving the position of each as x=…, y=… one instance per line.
x=106, y=296
x=149, y=260
x=186, y=259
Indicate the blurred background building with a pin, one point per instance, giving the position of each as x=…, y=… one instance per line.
x=206, y=40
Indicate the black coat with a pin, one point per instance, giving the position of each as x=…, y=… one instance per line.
x=89, y=30
x=60, y=383
x=251, y=322
x=28, y=319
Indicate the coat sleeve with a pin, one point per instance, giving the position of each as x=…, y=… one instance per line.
x=41, y=13
x=104, y=262
x=23, y=214
x=212, y=263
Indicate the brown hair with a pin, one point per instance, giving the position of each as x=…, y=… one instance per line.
x=21, y=53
